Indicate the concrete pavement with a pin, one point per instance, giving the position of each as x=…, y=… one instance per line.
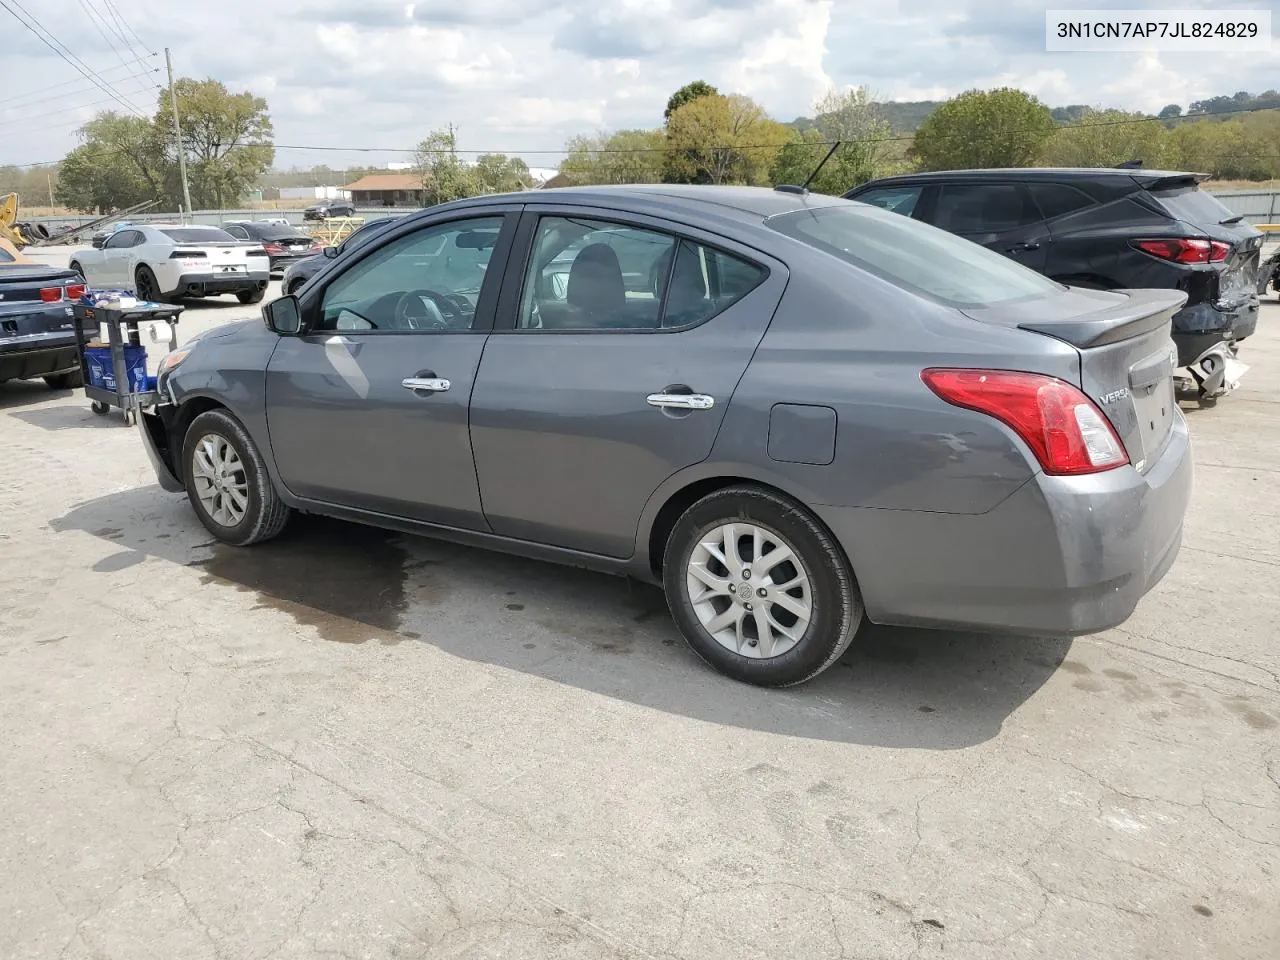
x=347, y=743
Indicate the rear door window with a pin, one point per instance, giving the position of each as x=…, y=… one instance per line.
x=971, y=208
x=901, y=200
x=914, y=256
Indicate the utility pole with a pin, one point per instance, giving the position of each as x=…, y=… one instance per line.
x=49, y=177
x=177, y=132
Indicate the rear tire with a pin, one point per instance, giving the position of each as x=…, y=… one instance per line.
x=744, y=619
x=251, y=296
x=65, y=381
x=227, y=481
x=147, y=287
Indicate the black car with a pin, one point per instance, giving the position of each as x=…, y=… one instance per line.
x=329, y=208
x=37, y=328
x=303, y=270
x=1106, y=229
x=284, y=244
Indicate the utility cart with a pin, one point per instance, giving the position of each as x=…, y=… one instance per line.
x=115, y=372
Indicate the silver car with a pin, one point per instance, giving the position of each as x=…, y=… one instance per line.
x=795, y=412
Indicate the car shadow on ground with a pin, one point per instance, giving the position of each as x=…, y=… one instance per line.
x=76, y=416
x=895, y=688
x=22, y=393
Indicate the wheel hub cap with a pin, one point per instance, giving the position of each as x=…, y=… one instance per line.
x=750, y=590
x=219, y=479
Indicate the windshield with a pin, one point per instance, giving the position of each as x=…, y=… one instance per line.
x=198, y=235
x=913, y=255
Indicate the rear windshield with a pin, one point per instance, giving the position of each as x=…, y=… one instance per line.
x=198, y=235
x=1194, y=206
x=913, y=255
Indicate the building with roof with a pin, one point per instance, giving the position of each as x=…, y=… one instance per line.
x=386, y=190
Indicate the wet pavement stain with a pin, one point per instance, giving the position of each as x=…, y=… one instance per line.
x=1252, y=716
x=346, y=580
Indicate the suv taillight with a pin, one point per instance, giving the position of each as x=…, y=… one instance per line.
x=1185, y=249
x=1065, y=430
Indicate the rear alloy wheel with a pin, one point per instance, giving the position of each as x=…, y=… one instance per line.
x=227, y=481
x=759, y=589
x=147, y=287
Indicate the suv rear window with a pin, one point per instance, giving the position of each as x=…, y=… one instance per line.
x=913, y=255
x=198, y=235
x=1193, y=205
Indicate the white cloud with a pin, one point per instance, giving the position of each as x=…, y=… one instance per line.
x=523, y=77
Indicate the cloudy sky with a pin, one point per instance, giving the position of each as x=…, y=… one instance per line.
x=520, y=76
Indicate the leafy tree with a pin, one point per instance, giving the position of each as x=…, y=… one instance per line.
x=498, y=173
x=1169, y=111
x=687, y=94
x=444, y=176
x=719, y=139
x=627, y=156
x=851, y=117
x=983, y=128
x=121, y=161
x=1105, y=138
x=226, y=137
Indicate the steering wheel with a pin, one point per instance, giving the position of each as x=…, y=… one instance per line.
x=428, y=310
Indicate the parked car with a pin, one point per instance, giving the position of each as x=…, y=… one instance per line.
x=285, y=244
x=329, y=208
x=1269, y=273
x=1107, y=229
x=822, y=413
x=37, y=328
x=303, y=270
x=162, y=262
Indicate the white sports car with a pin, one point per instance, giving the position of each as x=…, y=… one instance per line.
x=161, y=262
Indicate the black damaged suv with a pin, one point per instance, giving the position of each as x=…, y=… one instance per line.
x=1107, y=229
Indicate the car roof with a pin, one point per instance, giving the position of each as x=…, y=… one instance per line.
x=1055, y=174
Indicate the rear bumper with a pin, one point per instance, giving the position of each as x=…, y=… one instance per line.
x=219, y=283
x=25, y=358
x=1200, y=326
x=1062, y=556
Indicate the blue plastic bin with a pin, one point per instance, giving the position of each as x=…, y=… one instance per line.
x=101, y=374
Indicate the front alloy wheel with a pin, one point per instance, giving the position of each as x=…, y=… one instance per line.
x=227, y=481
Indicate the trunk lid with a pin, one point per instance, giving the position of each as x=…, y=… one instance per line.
x=1127, y=357
x=22, y=312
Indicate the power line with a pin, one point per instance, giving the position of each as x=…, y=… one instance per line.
x=54, y=113
x=64, y=96
x=100, y=24
x=36, y=27
x=55, y=86
x=125, y=25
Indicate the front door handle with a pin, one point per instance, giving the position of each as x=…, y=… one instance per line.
x=681, y=401
x=427, y=384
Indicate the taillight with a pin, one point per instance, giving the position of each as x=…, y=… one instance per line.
x=50, y=294
x=272, y=248
x=1185, y=250
x=1065, y=430
x=187, y=254
x=75, y=291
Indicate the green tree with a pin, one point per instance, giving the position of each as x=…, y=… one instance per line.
x=687, y=94
x=498, y=173
x=1104, y=138
x=1169, y=111
x=852, y=118
x=227, y=139
x=983, y=128
x=627, y=156
x=719, y=139
x=444, y=176
x=120, y=161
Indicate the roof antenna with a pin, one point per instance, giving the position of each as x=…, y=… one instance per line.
x=789, y=188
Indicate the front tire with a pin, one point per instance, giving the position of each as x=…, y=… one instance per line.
x=760, y=590
x=251, y=296
x=227, y=481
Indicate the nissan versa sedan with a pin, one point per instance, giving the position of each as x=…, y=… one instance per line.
x=813, y=413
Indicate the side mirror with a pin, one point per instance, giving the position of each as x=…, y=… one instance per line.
x=330, y=252
x=283, y=316
x=98, y=242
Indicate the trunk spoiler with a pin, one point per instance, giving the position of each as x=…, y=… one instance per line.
x=1167, y=181
x=1141, y=312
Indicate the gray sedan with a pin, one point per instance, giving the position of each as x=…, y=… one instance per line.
x=797, y=413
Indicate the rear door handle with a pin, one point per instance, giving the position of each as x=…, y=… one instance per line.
x=681, y=401
x=1024, y=246
x=427, y=384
